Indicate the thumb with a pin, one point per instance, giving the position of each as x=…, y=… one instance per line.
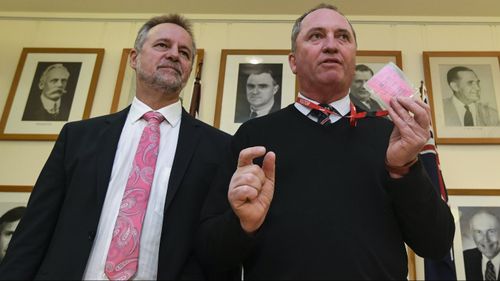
x=269, y=165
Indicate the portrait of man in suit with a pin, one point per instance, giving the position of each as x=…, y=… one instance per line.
x=120, y=195
x=465, y=107
x=8, y=224
x=483, y=261
x=259, y=91
x=360, y=96
x=51, y=95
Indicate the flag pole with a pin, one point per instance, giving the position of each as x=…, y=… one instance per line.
x=195, y=100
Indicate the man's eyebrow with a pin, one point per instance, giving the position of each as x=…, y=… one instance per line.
x=162, y=40
x=322, y=29
x=314, y=29
x=345, y=31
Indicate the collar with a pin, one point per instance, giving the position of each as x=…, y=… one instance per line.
x=172, y=112
x=48, y=104
x=495, y=261
x=265, y=110
x=459, y=104
x=342, y=105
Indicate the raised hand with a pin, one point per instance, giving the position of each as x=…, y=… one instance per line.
x=410, y=133
x=252, y=187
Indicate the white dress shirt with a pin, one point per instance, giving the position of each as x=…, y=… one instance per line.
x=496, y=264
x=49, y=105
x=153, y=221
x=460, y=107
x=343, y=106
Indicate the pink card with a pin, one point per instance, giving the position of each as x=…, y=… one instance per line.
x=390, y=82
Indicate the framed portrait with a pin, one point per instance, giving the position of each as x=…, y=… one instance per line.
x=464, y=91
x=367, y=64
x=377, y=59
x=252, y=83
x=125, y=82
x=12, y=208
x=51, y=86
x=477, y=234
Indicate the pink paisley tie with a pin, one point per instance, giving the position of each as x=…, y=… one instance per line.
x=123, y=254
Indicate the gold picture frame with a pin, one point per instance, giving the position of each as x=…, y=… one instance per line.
x=377, y=59
x=447, y=75
x=25, y=116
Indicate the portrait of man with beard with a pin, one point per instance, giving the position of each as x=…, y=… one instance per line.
x=52, y=91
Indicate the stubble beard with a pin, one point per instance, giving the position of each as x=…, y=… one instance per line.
x=168, y=85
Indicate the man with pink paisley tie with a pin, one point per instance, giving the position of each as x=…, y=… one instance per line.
x=120, y=195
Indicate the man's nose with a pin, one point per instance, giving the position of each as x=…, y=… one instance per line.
x=172, y=53
x=330, y=44
x=487, y=239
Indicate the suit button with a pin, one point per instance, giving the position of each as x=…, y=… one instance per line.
x=91, y=235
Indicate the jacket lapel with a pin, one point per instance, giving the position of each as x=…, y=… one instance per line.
x=106, y=151
x=189, y=135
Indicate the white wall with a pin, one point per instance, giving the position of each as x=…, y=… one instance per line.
x=464, y=166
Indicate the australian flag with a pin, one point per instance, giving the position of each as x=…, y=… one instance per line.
x=443, y=269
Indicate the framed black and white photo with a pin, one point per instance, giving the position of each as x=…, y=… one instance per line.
x=377, y=59
x=464, y=90
x=51, y=86
x=125, y=82
x=13, y=202
x=477, y=234
x=252, y=83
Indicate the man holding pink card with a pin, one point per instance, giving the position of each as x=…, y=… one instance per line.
x=321, y=189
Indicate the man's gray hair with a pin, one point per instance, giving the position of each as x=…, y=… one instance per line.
x=51, y=67
x=298, y=22
x=171, y=18
x=484, y=212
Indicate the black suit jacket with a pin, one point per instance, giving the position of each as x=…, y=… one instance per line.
x=35, y=111
x=242, y=113
x=55, y=236
x=473, y=266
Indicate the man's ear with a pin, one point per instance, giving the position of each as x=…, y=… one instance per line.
x=275, y=89
x=454, y=86
x=133, y=58
x=291, y=61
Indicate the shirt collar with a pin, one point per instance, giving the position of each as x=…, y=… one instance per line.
x=342, y=105
x=460, y=105
x=172, y=112
x=48, y=104
x=265, y=110
x=495, y=261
